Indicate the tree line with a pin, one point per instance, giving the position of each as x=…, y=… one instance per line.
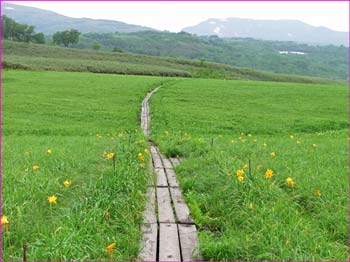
x=20, y=32
x=15, y=31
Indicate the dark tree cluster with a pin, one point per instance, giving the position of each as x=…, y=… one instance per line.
x=12, y=30
x=66, y=37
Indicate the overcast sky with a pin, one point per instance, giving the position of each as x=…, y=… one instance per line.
x=174, y=16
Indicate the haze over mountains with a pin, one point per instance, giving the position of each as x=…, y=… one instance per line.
x=49, y=22
x=280, y=30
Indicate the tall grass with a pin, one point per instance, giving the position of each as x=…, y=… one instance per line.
x=64, y=124
x=297, y=130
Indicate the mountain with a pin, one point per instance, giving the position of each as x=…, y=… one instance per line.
x=280, y=30
x=49, y=22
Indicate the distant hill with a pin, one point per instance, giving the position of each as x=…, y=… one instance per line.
x=281, y=30
x=50, y=22
x=28, y=56
x=275, y=56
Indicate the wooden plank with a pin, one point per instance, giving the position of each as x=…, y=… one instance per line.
x=169, y=249
x=153, y=150
x=152, y=180
x=175, y=161
x=148, y=245
x=165, y=210
x=149, y=214
x=181, y=208
x=172, y=180
x=189, y=242
x=166, y=162
x=157, y=163
x=161, y=177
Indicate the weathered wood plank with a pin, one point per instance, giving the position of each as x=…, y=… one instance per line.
x=175, y=161
x=161, y=177
x=189, y=242
x=149, y=214
x=181, y=208
x=148, y=245
x=166, y=162
x=153, y=150
x=169, y=249
x=172, y=180
x=165, y=211
x=157, y=162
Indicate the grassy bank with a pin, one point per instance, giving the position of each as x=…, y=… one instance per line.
x=44, y=57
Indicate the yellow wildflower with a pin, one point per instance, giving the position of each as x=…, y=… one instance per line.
x=52, y=199
x=35, y=168
x=318, y=192
x=49, y=151
x=268, y=173
x=264, y=145
x=110, y=155
x=250, y=135
x=251, y=206
x=110, y=247
x=142, y=165
x=298, y=142
x=146, y=151
x=5, y=223
x=239, y=172
x=291, y=136
x=140, y=156
x=314, y=145
x=259, y=167
x=98, y=136
x=67, y=183
x=273, y=154
x=255, y=140
x=242, y=134
x=290, y=182
x=243, y=140
x=245, y=166
x=4, y=220
x=240, y=179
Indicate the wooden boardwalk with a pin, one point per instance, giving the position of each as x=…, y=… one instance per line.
x=168, y=231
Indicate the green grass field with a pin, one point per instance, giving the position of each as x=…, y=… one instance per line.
x=78, y=116
x=298, y=213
